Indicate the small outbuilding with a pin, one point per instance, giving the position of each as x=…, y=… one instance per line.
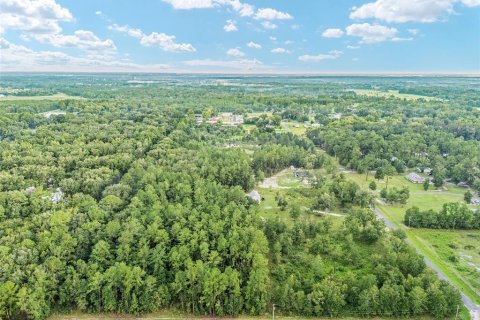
x=254, y=196
x=415, y=178
x=475, y=200
x=428, y=171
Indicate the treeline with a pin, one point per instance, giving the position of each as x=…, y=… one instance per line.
x=272, y=158
x=319, y=271
x=452, y=216
x=395, y=195
x=338, y=191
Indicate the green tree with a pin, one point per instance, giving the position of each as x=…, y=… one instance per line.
x=295, y=211
x=468, y=197
x=256, y=293
x=8, y=299
x=426, y=184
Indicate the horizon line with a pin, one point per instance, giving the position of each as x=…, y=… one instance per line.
x=299, y=73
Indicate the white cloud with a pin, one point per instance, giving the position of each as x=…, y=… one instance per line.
x=230, y=26
x=371, y=33
x=190, y=4
x=353, y=47
x=328, y=56
x=243, y=9
x=254, y=45
x=40, y=19
x=82, y=39
x=355, y=59
x=33, y=16
x=413, y=31
x=19, y=58
x=235, y=52
x=269, y=25
x=132, y=32
x=273, y=38
x=471, y=3
x=244, y=64
x=272, y=14
x=279, y=50
x=400, y=39
x=98, y=12
x=154, y=39
x=332, y=33
x=401, y=11
x=165, y=42
x=288, y=42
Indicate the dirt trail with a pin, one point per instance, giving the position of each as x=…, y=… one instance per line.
x=272, y=182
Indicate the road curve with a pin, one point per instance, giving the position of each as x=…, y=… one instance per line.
x=472, y=307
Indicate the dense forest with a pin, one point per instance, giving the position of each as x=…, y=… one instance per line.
x=123, y=203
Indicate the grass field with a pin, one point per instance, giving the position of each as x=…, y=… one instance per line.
x=295, y=192
x=294, y=127
x=455, y=252
x=285, y=184
x=392, y=93
x=59, y=96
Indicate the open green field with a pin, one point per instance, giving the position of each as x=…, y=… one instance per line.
x=455, y=252
x=294, y=127
x=285, y=184
x=59, y=96
x=392, y=93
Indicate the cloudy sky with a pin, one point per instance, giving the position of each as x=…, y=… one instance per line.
x=241, y=36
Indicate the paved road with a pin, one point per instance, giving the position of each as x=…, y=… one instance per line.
x=471, y=306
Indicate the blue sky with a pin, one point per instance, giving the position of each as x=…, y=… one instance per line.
x=237, y=36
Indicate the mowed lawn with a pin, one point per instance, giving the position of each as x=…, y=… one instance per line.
x=295, y=192
x=455, y=252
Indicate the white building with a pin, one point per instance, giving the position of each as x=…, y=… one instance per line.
x=57, y=196
x=255, y=196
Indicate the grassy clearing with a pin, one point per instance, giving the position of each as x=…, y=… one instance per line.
x=295, y=191
x=59, y=96
x=455, y=252
x=392, y=94
x=258, y=114
x=294, y=127
x=284, y=184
